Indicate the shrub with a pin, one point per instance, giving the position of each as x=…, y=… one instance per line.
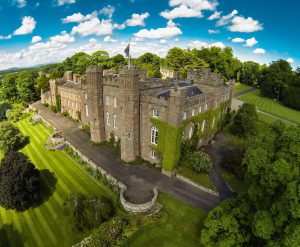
x=87, y=213
x=4, y=107
x=19, y=182
x=200, y=161
x=16, y=113
x=11, y=139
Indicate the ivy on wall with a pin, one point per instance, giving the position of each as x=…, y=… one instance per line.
x=170, y=136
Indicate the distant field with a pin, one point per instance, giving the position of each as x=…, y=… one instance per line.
x=271, y=106
x=43, y=225
x=238, y=87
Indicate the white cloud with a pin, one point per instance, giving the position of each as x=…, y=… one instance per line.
x=64, y=37
x=76, y=17
x=201, y=44
x=160, y=33
x=215, y=15
x=5, y=37
x=109, y=39
x=181, y=12
x=137, y=20
x=28, y=25
x=93, y=26
x=210, y=31
x=195, y=4
x=36, y=39
x=93, y=40
x=163, y=41
x=251, y=42
x=259, y=51
x=20, y=3
x=109, y=11
x=238, y=40
x=226, y=18
x=245, y=25
x=290, y=60
x=62, y=2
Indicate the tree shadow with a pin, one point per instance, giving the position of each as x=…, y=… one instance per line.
x=10, y=237
x=25, y=141
x=47, y=186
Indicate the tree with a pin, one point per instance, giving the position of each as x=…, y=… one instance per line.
x=244, y=122
x=151, y=63
x=263, y=224
x=200, y=161
x=4, y=107
x=42, y=83
x=26, y=86
x=11, y=139
x=9, y=87
x=19, y=182
x=250, y=73
x=87, y=213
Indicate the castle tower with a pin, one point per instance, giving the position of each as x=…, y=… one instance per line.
x=177, y=96
x=94, y=107
x=130, y=113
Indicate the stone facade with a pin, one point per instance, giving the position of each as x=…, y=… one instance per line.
x=125, y=103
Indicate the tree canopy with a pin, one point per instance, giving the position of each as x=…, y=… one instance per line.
x=19, y=182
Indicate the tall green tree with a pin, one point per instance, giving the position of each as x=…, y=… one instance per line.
x=9, y=87
x=26, y=86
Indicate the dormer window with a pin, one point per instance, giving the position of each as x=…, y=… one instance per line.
x=155, y=113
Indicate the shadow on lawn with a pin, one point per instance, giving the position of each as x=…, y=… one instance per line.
x=9, y=236
x=47, y=186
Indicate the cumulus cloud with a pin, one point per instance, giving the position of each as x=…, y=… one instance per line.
x=195, y=4
x=137, y=20
x=181, y=12
x=20, y=3
x=5, y=37
x=36, y=39
x=109, y=39
x=259, y=51
x=94, y=26
x=170, y=31
x=63, y=37
x=211, y=31
x=251, y=42
x=108, y=11
x=62, y=2
x=290, y=60
x=238, y=40
x=201, y=44
x=215, y=15
x=76, y=17
x=163, y=41
x=226, y=18
x=245, y=25
x=28, y=25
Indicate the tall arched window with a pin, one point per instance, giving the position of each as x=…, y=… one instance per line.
x=115, y=121
x=203, y=125
x=154, y=135
x=107, y=118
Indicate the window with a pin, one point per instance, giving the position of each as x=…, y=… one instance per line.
x=107, y=118
x=205, y=107
x=200, y=109
x=115, y=102
x=107, y=100
x=213, y=123
x=154, y=135
x=129, y=136
x=86, y=110
x=153, y=154
x=190, y=132
x=155, y=113
x=203, y=125
x=184, y=116
x=115, y=122
x=85, y=96
x=193, y=112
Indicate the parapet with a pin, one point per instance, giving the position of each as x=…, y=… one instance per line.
x=94, y=69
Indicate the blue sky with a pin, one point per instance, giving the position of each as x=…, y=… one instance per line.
x=42, y=31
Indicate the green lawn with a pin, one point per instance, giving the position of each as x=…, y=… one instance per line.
x=199, y=178
x=181, y=229
x=238, y=87
x=44, y=225
x=271, y=106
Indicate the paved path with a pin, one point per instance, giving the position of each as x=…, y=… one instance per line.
x=216, y=174
x=139, y=179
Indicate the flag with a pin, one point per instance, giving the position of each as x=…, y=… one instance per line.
x=127, y=50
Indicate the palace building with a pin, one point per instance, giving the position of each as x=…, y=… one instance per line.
x=150, y=117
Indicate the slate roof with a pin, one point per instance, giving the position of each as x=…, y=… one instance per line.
x=191, y=90
x=72, y=84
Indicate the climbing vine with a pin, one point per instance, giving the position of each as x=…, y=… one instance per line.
x=170, y=136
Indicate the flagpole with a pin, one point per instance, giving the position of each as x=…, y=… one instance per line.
x=129, y=57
